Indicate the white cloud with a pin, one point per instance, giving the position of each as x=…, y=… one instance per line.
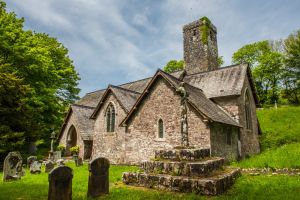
x=117, y=41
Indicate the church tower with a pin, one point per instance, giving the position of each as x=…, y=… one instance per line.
x=200, y=46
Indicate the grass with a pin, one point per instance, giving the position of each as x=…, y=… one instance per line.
x=279, y=126
x=286, y=156
x=33, y=187
x=281, y=149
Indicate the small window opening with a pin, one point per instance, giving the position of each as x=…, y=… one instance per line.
x=160, y=128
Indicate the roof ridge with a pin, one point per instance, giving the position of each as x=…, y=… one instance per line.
x=103, y=89
x=221, y=68
x=83, y=106
x=128, y=90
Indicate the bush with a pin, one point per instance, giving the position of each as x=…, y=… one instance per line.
x=75, y=149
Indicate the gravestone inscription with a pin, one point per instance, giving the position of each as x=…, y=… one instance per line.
x=60, y=183
x=12, y=167
x=98, y=177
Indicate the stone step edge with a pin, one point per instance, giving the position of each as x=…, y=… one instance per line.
x=182, y=154
x=183, y=167
x=206, y=186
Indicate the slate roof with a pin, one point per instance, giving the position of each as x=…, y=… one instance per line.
x=203, y=86
x=196, y=98
x=126, y=98
x=84, y=124
x=93, y=98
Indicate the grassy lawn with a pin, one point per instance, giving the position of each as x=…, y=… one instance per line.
x=247, y=187
x=279, y=126
x=286, y=156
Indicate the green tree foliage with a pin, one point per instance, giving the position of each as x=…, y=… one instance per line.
x=291, y=75
x=173, y=65
x=42, y=63
x=14, y=96
x=267, y=65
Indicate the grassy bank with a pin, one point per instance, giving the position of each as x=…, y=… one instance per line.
x=279, y=126
x=247, y=187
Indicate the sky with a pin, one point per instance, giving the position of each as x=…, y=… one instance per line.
x=118, y=41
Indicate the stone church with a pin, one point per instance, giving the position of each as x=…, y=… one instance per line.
x=202, y=106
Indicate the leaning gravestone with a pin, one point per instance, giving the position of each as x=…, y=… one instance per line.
x=49, y=165
x=30, y=160
x=35, y=167
x=98, y=177
x=12, y=167
x=60, y=183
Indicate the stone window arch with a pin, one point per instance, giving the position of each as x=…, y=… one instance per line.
x=110, y=117
x=248, y=114
x=160, y=128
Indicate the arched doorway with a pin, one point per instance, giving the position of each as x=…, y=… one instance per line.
x=71, y=139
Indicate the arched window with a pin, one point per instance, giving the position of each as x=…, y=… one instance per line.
x=160, y=128
x=248, y=111
x=110, y=118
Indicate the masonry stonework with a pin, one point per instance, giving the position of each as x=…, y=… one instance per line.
x=109, y=144
x=142, y=131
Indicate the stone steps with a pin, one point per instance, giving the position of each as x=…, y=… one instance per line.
x=182, y=154
x=183, y=168
x=213, y=185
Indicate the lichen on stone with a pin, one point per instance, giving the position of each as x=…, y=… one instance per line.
x=205, y=29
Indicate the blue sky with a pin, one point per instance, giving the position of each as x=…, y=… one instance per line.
x=117, y=41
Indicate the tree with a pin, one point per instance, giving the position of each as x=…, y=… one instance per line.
x=266, y=64
x=42, y=63
x=173, y=65
x=14, y=95
x=291, y=75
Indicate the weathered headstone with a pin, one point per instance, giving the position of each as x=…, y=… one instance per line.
x=60, y=183
x=56, y=155
x=98, y=177
x=12, y=167
x=30, y=160
x=60, y=162
x=79, y=162
x=35, y=167
x=49, y=165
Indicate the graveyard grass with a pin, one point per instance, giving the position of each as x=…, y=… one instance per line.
x=247, y=187
x=281, y=143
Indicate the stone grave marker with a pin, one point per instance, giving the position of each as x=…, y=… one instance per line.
x=35, y=167
x=30, y=160
x=60, y=162
x=98, y=177
x=56, y=155
x=12, y=167
x=60, y=183
x=49, y=165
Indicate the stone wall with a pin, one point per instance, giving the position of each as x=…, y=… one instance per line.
x=224, y=141
x=63, y=140
x=110, y=145
x=142, y=130
x=249, y=137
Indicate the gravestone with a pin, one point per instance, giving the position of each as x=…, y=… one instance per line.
x=12, y=167
x=49, y=165
x=79, y=162
x=30, y=160
x=60, y=183
x=56, y=155
x=98, y=177
x=60, y=162
x=35, y=167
